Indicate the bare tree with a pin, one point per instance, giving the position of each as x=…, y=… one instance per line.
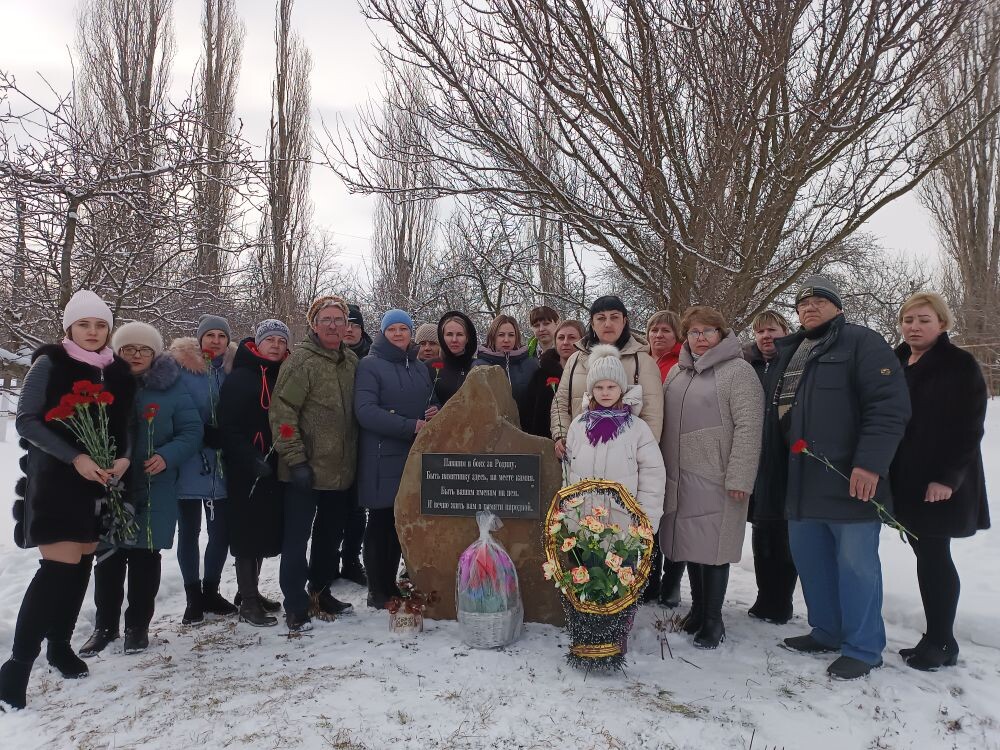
x=222, y=49
x=287, y=217
x=402, y=242
x=712, y=151
x=963, y=193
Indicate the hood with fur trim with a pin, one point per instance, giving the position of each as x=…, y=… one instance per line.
x=162, y=374
x=187, y=352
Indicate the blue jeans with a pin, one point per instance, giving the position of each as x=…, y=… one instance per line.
x=841, y=576
x=324, y=513
x=189, y=531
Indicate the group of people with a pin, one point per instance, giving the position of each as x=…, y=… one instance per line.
x=298, y=452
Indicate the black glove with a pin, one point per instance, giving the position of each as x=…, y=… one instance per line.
x=213, y=437
x=261, y=468
x=302, y=476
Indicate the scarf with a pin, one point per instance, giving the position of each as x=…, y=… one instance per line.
x=603, y=425
x=100, y=359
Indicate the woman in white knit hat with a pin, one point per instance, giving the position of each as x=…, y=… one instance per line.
x=166, y=432
x=63, y=487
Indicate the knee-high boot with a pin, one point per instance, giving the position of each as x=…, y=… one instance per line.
x=693, y=619
x=715, y=580
x=58, y=650
x=39, y=610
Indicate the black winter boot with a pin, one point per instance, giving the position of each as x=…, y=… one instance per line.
x=136, y=640
x=251, y=611
x=193, y=612
x=715, y=580
x=40, y=608
x=692, y=621
x=354, y=571
x=652, y=592
x=670, y=586
x=212, y=601
x=98, y=641
x=325, y=606
x=58, y=650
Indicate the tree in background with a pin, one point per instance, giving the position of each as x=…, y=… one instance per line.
x=712, y=152
x=287, y=217
x=963, y=192
x=219, y=73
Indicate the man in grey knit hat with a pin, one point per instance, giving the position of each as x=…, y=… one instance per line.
x=839, y=388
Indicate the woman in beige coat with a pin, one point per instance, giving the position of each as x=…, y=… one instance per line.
x=711, y=446
x=608, y=325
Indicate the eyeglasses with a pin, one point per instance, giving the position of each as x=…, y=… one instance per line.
x=815, y=303
x=143, y=351
x=708, y=333
x=328, y=322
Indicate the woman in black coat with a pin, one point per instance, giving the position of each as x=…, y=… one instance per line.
x=535, y=406
x=63, y=487
x=937, y=477
x=459, y=344
x=255, y=494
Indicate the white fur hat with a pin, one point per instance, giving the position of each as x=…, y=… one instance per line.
x=605, y=364
x=137, y=334
x=86, y=304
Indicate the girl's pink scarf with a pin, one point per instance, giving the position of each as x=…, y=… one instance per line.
x=100, y=359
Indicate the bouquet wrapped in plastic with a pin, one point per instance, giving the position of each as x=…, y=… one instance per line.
x=487, y=596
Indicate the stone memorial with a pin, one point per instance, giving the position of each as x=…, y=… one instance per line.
x=479, y=427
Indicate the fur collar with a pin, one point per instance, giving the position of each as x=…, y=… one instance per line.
x=188, y=354
x=162, y=374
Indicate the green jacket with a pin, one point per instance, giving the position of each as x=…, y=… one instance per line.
x=314, y=396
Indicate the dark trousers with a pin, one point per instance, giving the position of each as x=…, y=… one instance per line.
x=142, y=568
x=382, y=552
x=940, y=587
x=354, y=534
x=325, y=513
x=774, y=568
x=189, y=532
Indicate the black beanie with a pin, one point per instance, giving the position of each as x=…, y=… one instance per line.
x=354, y=316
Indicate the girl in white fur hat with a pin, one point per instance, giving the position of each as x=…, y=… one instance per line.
x=608, y=441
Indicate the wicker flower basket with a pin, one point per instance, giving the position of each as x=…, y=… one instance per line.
x=598, y=640
x=491, y=629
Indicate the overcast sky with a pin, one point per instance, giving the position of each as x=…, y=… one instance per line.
x=36, y=37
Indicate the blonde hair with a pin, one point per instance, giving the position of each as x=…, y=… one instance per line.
x=769, y=317
x=665, y=318
x=933, y=300
x=491, y=335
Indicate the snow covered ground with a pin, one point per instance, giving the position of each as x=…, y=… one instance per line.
x=353, y=685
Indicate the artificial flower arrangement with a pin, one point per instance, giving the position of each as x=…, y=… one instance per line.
x=487, y=595
x=599, y=565
x=406, y=611
x=84, y=412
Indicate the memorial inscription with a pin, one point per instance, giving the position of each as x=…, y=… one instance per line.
x=461, y=484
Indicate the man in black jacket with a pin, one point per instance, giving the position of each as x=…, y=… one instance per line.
x=838, y=387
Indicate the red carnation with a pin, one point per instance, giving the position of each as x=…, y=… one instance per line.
x=104, y=398
x=286, y=432
x=59, y=413
x=437, y=365
x=800, y=446
x=86, y=388
x=551, y=381
x=151, y=411
x=208, y=354
x=71, y=400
